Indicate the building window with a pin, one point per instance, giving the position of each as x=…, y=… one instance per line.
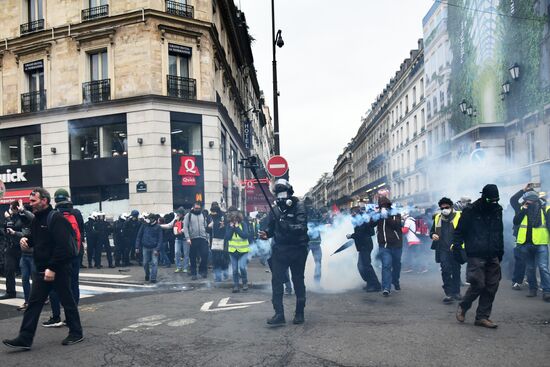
x=223, y=147
x=509, y=150
x=35, y=99
x=180, y=8
x=415, y=124
x=421, y=88
x=423, y=119
x=442, y=98
x=9, y=151
x=98, y=89
x=234, y=161
x=429, y=108
x=414, y=96
x=531, y=147
x=186, y=138
x=179, y=83
x=96, y=9
x=98, y=142
x=435, y=105
x=35, y=16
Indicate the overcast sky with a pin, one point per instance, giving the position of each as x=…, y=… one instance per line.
x=337, y=57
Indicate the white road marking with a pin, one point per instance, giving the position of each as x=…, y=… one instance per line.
x=149, y=322
x=224, y=306
x=104, y=276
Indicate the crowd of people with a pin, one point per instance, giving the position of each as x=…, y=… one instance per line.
x=51, y=244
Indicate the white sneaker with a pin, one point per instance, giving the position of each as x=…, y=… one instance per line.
x=516, y=287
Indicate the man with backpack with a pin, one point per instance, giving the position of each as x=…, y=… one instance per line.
x=64, y=205
x=55, y=247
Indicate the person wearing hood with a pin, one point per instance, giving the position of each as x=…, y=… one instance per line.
x=442, y=233
x=220, y=255
x=12, y=254
x=362, y=236
x=194, y=227
x=91, y=239
x=390, y=243
x=149, y=241
x=287, y=225
x=533, y=238
x=237, y=238
x=480, y=229
x=129, y=233
x=118, y=239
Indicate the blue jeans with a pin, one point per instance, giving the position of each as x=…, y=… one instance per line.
x=391, y=266
x=55, y=303
x=317, y=258
x=239, y=262
x=519, y=266
x=181, y=247
x=27, y=268
x=150, y=258
x=536, y=256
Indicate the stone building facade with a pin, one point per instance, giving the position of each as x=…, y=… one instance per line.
x=146, y=104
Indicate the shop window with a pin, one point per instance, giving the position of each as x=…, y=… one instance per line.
x=31, y=149
x=98, y=142
x=9, y=151
x=84, y=143
x=186, y=138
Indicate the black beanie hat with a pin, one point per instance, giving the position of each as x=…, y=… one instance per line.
x=490, y=191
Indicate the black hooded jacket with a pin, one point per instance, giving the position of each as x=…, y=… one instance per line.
x=362, y=235
x=480, y=228
x=290, y=226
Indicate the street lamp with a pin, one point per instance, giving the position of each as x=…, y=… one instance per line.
x=506, y=87
x=475, y=113
x=470, y=111
x=463, y=106
x=277, y=41
x=514, y=71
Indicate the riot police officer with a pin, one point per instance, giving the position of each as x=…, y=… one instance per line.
x=287, y=225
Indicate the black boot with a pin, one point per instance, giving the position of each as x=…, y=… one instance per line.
x=277, y=319
x=298, y=318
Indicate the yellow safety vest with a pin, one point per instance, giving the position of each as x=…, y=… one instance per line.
x=437, y=220
x=539, y=235
x=455, y=219
x=237, y=243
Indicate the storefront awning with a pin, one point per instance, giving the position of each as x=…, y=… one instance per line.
x=12, y=195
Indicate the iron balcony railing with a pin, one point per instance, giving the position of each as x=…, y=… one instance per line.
x=95, y=12
x=33, y=101
x=177, y=8
x=96, y=91
x=33, y=26
x=181, y=87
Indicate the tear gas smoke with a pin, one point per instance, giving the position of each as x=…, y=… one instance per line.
x=339, y=272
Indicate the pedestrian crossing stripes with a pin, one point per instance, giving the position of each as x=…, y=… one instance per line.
x=90, y=285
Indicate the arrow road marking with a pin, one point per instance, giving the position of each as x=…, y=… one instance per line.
x=224, y=306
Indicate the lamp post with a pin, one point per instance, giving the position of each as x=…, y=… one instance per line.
x=506, y=87
x=514, y=71
x=463, y=106
x=277, y=41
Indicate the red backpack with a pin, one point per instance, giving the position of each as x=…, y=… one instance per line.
x=422, y=227
x=72, y=219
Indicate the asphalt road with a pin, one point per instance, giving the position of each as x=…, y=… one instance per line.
x=165, y=326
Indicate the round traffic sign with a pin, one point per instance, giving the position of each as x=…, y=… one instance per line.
x=277, y=166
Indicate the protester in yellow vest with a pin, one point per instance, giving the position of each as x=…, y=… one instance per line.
x=236, y=235
x=442, y=232
x=533, y=239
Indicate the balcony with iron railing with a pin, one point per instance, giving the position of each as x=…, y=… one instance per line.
x=96, y=91
x=33, y=101
x=181, y=87
x=179, y=9
x=36, y=25
x=95, y=12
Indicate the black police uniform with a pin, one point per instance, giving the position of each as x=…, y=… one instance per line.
x=288, y=228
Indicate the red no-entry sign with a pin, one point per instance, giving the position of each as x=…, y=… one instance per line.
x=277, y=166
